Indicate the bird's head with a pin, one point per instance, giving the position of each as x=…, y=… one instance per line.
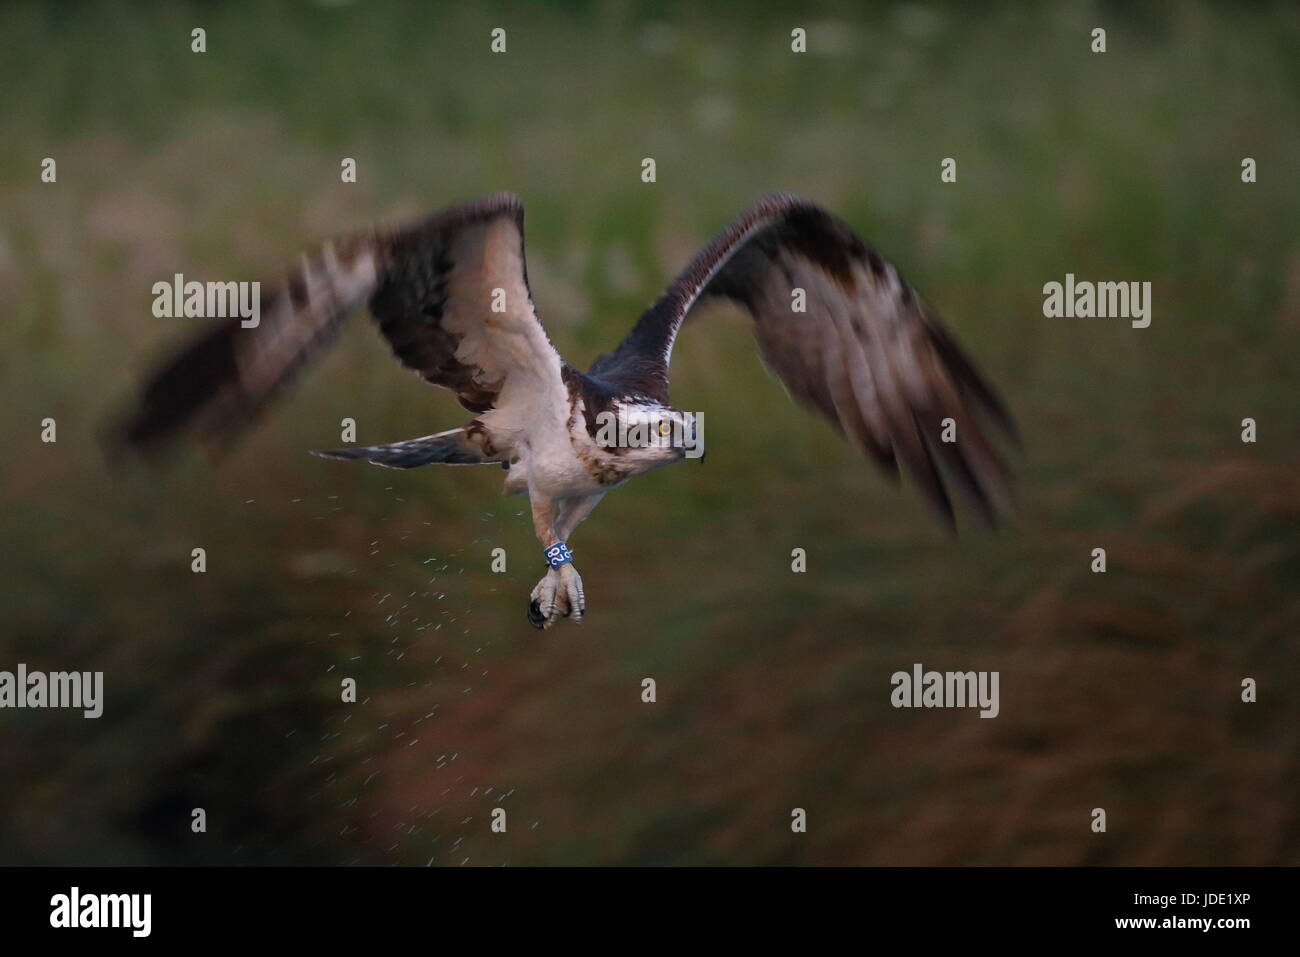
x=651, y=435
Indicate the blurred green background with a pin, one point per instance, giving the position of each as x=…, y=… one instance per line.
x=1119, y=691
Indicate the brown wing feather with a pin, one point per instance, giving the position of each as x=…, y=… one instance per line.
x=430, y=288
x=865, y=353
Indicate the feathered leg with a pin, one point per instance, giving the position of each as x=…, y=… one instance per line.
x=559, y=593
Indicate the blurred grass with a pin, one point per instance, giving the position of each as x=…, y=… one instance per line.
x=1119, y=691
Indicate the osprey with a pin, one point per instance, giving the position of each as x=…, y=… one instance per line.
x=835, y=322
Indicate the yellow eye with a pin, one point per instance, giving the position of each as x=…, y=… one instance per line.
x=664, y=428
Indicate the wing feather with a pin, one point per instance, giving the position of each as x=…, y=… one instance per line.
x=866, y=353
x=432, y=287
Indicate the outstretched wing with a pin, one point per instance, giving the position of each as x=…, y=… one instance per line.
x=864, y=351
x=449, y=293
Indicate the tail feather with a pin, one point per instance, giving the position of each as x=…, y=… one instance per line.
x=446, y=448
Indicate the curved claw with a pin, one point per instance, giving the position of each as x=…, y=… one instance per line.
x=535, y=616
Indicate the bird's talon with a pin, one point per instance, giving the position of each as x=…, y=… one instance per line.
x=558, y=595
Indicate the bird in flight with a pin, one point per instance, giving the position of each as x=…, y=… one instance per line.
x=835, y=322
